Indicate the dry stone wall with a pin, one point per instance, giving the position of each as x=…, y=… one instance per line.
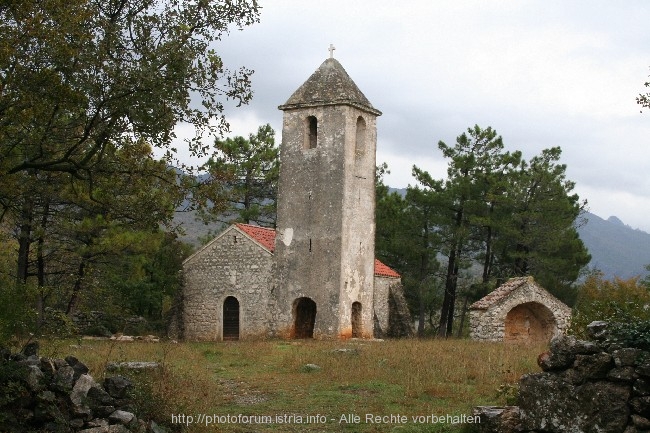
x=382, y=288
x=392, y=316
x=585, y=387
x=58, y=395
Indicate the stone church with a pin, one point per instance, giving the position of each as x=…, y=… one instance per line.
x=315, y=276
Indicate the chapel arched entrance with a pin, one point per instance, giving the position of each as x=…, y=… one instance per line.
x=530, y=322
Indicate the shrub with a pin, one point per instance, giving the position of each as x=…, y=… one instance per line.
x=17, y=317
x=57, y=324
x=13, y=388
x=615, y=301
x=633, y=333
x=509, y=392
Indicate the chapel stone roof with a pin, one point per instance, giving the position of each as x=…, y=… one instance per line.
x=501, y=292
x=329, y=85
x=266, y=237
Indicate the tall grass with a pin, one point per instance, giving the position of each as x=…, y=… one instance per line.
x=406, y=377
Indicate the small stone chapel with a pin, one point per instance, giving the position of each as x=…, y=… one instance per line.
x=520, y=311
x=315, y=276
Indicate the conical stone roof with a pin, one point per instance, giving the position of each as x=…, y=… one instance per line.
x=329, y=85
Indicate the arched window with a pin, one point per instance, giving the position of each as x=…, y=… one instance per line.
x=360, y=139
x=311, y=132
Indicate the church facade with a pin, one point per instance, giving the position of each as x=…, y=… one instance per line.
x=316, y=274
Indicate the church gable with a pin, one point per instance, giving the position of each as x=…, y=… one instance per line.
x=233, y=265
x=234, y=233
x=265, y=238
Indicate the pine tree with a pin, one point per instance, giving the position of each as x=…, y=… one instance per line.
x=247, y=170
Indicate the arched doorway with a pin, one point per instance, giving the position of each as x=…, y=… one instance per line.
x=357, y=329
x=231, y=318
x=530, y=322
x=304, y=318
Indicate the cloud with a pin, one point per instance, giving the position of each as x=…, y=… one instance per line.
x=542, y=74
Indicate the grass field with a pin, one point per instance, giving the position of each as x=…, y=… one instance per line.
x=409, y=378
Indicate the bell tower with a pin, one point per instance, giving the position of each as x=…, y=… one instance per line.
x=326, y=209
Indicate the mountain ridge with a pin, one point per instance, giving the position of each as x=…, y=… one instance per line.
x=616, y=249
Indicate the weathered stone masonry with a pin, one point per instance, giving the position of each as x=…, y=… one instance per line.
x=211, y=277
x=585, y=387
x=326, y=203
x=519, y=310
x=319, y=278
x=233, y=264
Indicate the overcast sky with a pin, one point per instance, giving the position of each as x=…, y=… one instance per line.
x=542, y=73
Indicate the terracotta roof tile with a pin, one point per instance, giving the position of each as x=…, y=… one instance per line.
x=262, y=235
x=384, y=271
x=266, y=237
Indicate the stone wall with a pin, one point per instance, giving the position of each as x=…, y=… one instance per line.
x=58, y=395
x=392, y=316
x=382, y=288
x=101, y=324
x=585, y=386
x=231, y=265
x=400, y=321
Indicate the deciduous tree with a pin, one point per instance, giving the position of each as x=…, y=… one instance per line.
x=78, y=77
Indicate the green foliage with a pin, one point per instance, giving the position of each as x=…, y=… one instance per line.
x=17, y=315
x=632, y=333
x=405, y=239
x=540, y=237
x=57, y=324
x=509, y=393
x=494, y=217
x=88, y=89
x=13, y=388
x=151, y=397
x=616, y=301
x=80, y=75
x=140, y=282
x=79, y=238
x=643, y=99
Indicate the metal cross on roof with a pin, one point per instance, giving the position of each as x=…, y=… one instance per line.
x=331, y=50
